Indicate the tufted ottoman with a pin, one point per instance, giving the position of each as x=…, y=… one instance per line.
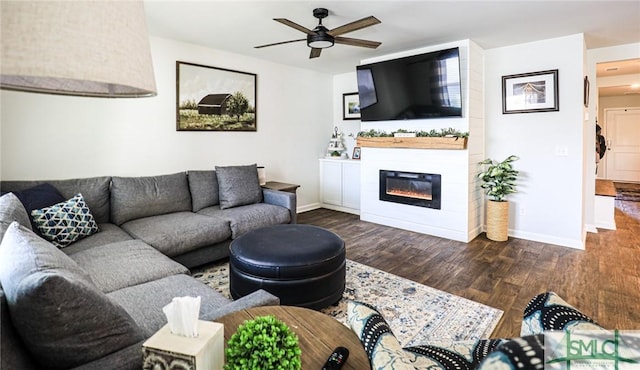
x=303, y=265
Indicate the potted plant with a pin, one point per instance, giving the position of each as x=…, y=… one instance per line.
x=263, y=343
x=498, y=182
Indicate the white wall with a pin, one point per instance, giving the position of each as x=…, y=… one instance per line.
x=49, y=137
x=549, y=205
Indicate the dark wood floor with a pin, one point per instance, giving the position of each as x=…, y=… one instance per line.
x=602, y=281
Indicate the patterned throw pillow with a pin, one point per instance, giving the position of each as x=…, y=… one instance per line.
x=65, y=222
x=382, y=347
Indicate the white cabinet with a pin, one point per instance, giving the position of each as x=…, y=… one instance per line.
x=340, y=185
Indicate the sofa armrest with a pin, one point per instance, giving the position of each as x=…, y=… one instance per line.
x=255, y=299
x=283, y=199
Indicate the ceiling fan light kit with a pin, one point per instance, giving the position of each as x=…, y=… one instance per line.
x=321, y=38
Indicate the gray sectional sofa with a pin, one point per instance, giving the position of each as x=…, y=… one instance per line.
x=91, y=303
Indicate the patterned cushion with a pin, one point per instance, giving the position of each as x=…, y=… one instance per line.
x=65, y=222
x=238, y=186
x=382, y=347
x=451, y=354
x=524, y=353
x=547, y=311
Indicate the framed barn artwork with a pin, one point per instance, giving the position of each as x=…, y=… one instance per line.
x=215, y=99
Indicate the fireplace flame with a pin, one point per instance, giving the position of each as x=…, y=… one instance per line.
x=409, y=194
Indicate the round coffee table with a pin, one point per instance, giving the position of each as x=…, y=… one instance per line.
x=318, y=334
x=303, y=265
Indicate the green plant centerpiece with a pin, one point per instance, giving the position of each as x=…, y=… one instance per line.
x=499, y=180
x=263, y=343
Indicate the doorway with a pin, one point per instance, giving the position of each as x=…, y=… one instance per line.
x=622, y=133
x=618, y=106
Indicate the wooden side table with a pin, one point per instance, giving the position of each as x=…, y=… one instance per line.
x=282, y=186
x=318, y=334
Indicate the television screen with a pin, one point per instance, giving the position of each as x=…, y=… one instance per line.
x=415, y=87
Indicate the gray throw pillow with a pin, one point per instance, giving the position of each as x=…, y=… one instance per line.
x=239, y=185
x=62, y=318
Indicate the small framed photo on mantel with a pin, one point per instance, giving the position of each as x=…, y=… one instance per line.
x=530, y=92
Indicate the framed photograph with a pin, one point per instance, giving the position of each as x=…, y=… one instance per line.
x=356, y=153
x=214, y=99
x=586, y=91
x=530, y=92
x=350, y=106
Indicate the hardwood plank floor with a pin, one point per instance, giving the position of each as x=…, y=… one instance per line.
x=602, y=281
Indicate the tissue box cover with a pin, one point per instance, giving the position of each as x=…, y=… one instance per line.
x=166, y=351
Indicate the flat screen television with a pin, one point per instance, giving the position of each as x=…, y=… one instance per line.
x=414, y=87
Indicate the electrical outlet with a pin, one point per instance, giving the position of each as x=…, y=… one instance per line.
x=521, y=211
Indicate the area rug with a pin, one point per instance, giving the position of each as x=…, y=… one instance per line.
x=417, y=313
x=627, y=191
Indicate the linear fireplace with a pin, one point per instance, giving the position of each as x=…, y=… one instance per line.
x=417, y=189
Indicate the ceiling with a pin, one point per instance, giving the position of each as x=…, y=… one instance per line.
x=238, y=26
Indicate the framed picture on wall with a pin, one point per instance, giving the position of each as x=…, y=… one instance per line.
x=215, y=99
x=530, y=92
x=350, y=106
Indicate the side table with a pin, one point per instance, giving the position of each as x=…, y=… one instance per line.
x=282, y=186
x=318, y=334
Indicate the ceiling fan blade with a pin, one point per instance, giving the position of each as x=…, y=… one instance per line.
x=353, y=26
x=357, y=42
x=315, y=52
x=300, y=28
x=278, y=43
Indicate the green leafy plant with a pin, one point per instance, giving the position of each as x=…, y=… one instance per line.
x=499, y=178
x=263, y=343
x=445, y=132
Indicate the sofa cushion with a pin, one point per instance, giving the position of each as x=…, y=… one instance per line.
x=109, y=233
x=11, y=209
x=65, y=222
x=204, y=189
x=119, y=265
x=138, y=197
x=243, y=219
x=238, y=185
x=95, y=191
x=177, y=233
x=382, y=347
x=54, y=305
x=144, y=302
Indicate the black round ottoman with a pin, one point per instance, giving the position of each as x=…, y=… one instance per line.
x=303, y=265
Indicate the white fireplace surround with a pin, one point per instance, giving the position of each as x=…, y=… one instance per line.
x=461, y=215
x=452, y=221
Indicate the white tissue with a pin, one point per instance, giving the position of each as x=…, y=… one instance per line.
x=182, y=315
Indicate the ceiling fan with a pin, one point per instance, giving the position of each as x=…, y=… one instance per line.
x=321, y=37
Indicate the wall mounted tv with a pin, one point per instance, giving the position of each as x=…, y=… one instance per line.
x=415, y=87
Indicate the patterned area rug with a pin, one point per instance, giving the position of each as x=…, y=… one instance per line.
x=417, y=314
x=627, y=191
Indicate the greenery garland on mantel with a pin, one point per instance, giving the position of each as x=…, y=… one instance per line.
x=443, y=139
